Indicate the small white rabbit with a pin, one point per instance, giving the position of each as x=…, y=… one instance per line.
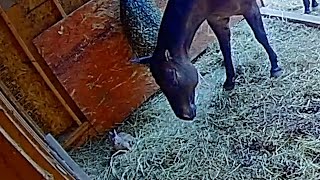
x=121, y=141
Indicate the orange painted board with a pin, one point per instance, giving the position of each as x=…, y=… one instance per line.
x=89, y=54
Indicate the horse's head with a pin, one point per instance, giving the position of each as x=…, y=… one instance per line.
x=177, y=79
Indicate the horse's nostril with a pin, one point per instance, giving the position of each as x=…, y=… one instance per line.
x=187, y=117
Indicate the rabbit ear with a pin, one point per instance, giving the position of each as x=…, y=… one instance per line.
x=114, y=132
x=111, y=135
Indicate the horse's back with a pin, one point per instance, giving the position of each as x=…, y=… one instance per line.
x=228, y=7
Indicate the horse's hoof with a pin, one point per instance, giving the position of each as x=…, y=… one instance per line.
x=277, y=72
x=228, y=86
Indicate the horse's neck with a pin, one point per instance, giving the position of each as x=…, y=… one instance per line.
x=176, y=32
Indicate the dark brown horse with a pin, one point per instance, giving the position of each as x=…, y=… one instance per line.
x=170, y=64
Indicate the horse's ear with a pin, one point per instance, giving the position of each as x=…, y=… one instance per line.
x=142, y=60
x=168, y=55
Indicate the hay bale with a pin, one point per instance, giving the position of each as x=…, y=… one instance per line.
x=141, y=21
x=263, y=129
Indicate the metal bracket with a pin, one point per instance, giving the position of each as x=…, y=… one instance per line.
x=64, y=159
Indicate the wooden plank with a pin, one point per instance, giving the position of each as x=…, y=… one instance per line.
x=60, y=8
x=25, y=83
x=80, y=136
x=36, y=166
x=12, y=122
x=306, y=19
x=94, y=65
x=71, y=5
x=7, y=98
x=10, y=157
x=37, y=66
x=75, y=135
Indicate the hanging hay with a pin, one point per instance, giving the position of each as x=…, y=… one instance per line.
x=141, y=20
x=265, y=128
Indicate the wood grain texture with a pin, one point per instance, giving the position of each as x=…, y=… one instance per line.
x=93, y=64
x=29, y=145
x=30, y=18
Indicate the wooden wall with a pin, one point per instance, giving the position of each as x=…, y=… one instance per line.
x=22, y=154
x=14, y=164
x=28, y=78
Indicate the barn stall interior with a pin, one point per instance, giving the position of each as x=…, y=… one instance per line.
x=65, y=67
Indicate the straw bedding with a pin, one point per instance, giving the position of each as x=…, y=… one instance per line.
x=265, y=128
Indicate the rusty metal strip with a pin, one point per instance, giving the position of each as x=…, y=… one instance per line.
x=63, y=157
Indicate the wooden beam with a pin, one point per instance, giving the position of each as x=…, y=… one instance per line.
x=76, y=135
x=27, y=139
x=10, y=101
x=60, y=8
x=306, y=19
x=37, y=66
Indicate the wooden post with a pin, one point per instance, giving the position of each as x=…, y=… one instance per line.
x=37, y=66
x=76, y=135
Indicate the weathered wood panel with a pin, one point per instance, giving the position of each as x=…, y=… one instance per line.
x=13, y=165
x=30, y=18
x=11, y=159
x=29, y=89
x=94, y=66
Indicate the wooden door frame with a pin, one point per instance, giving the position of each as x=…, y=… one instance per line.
x=28, y=142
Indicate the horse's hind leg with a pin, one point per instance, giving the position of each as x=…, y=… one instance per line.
x=253, y=17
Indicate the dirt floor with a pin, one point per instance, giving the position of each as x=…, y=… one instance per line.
x=263, y=129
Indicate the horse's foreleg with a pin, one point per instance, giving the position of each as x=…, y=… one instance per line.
x=221, y=29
